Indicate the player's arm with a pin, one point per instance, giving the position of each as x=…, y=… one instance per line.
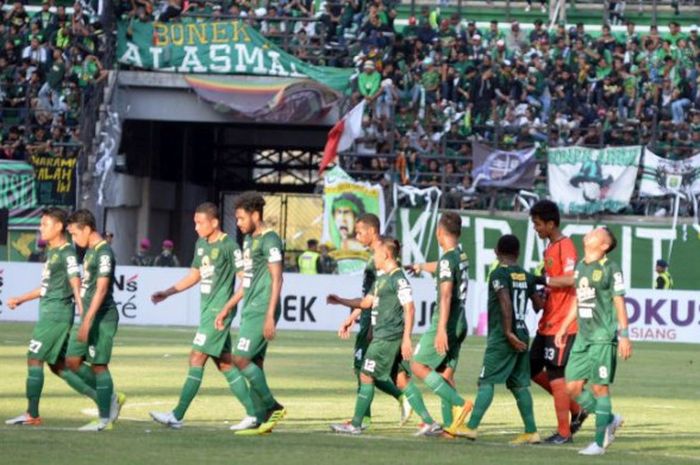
x=361, y=303
x=185, y=283
x=441, y=343
x=560, y=281
x=409, y=312
x=567, y=259
x=624, y=344
x=570, y=318
x=275, y=269
x=230, y=304
x=344, y=330
x=507, y=320
x=15, y=302
x=101, y=288
x=418, y=268
x=75, y=287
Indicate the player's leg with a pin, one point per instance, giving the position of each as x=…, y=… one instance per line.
x=47, y=344
x=109, y=402
x=555, y=360
x=251, y=345
x=537, y=363
x=239, y=388
x=446, y=406
x=374, y=363
x=360, y=349
x=400, y=377
x=77, y=374
x=519, y=385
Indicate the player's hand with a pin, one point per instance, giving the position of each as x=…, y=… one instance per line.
x=624, y=348
x=413, y=269
x=13, y=303
x=406, y=349
x=159, y=296
x=84, y=330
x=219, y=321
x=344, y=330
x=333, y=299
x=516, y=343
x=441, y=344
x=269, y=330
x=559, y=340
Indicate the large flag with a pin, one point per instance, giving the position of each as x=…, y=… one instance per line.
x=585, y=181
x=500, y=168
x=662, y=177
x=342, y=135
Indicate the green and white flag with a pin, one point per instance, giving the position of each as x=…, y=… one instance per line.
x=661, y=177
x=585, y=181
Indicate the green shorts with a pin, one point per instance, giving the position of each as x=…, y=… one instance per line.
x=251, y=343
x=208, y=340
x=49, y=340
x=383, y=360
x=502, y=364
x=98, y=348
x=362, y=341
x=426, y=354
x=594, y=363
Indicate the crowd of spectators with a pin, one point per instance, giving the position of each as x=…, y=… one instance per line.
x=48, y=67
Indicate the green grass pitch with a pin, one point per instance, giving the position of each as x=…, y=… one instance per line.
x=657, y=392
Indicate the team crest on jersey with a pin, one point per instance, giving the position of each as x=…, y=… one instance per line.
x=597, y=275
x=214, y=254
x=54, y=258
x=549, y=262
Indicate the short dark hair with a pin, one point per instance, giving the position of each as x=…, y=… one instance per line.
x=508, y=245
x=312, y=243
x=57, y=214
x=546, y=210
x=83, y=218
x=392, y=244
x=371, y=220
x=250, y=202
x=451, y=223
x=613, y=240
x=208, y=208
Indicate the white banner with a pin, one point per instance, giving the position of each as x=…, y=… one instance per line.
x=662, y=177
x=670, y=316
x=585, y=181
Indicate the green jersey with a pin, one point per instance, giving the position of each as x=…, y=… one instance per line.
x=520, y=286
x=368, y=279
x=453, y=267
x=217, y=262
x=258, y=252
x=391, y=292
x=596, y=285
x=56, y=301
x=99, y=263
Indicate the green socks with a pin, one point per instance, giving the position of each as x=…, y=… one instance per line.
x=443, y=389
x=189, y=390
x=239, y=388
x=603, y=417
x=359, y=383
x=484, y=397
x=77, y=383
x=364, y=399
x=258, y=406
x=524, y=401
x=258, y=383
x=415, y=398
x=86, y=374
x=446, y=408
x=35, y=383
x=388, y=387
x=105, y=389
x=587, y=401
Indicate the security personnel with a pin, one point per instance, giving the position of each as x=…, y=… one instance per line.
x=309, y=262
x=663, y=278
